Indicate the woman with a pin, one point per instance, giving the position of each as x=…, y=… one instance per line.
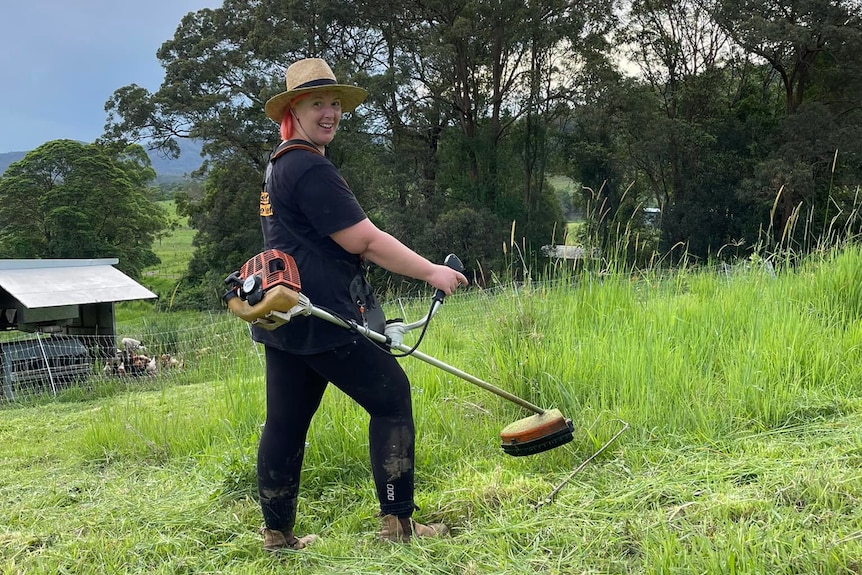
x=308, y=211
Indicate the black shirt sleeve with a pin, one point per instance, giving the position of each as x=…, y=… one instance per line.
x=326, y=201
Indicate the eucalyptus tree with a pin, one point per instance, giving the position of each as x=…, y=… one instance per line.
x=220, y=68
x=814, y=50
x=797, y=38
x=680, y=52
x=504, y=71
x=66, y=199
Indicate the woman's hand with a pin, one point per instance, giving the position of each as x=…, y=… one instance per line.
x=446, y=279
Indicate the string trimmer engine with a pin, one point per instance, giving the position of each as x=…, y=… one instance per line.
x=262, y=272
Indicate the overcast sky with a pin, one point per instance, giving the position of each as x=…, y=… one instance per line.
x=61, y=60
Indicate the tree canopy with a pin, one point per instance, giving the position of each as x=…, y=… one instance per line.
x=66, y=199
x=706, y=110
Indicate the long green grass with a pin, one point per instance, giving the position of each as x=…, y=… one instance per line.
x=174, y=250
x=743, y=452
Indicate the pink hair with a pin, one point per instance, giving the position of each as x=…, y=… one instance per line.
x=286, y=127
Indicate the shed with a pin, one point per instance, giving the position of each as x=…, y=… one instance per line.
x=66, y=296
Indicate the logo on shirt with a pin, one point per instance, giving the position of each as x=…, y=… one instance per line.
x=265, y=205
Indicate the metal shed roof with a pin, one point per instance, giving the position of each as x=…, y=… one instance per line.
x=51, y=283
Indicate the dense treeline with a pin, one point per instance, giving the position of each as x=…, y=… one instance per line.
x=735, y=118
x=66, y=199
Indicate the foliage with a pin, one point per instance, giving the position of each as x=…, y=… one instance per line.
x=449, y=72
x=474, y=235
x=807, y=45
x=733, y=104
x=71, y=200
x=706, y=111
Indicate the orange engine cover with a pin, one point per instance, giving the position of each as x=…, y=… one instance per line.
x=273, y=267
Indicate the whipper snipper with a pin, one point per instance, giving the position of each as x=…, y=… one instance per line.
x=266, y=292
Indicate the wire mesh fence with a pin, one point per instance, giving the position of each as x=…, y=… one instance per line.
x=171, y=348
x=143, y=353
x=168, y=348
x=183, y=347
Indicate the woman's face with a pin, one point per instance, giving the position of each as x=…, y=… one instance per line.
x=316, y=117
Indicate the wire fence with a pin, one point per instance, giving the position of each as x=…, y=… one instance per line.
x=144, y=354
x=154, y=350
x=168, y=348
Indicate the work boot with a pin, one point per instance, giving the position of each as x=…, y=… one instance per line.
x=274, y=540
x=401, y=529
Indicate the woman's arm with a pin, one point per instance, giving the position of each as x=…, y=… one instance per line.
x=369, y=241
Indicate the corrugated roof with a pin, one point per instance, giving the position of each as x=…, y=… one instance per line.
x=51, y=283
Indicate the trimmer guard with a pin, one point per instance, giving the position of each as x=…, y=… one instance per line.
x=536, y=433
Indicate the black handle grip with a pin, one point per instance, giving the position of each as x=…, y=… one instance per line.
x=234, y=284
x=453, y=262
x=233, y=280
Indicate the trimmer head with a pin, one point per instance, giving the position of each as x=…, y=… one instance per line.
x=536, y=433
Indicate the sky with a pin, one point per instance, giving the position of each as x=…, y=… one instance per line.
x=60, y=61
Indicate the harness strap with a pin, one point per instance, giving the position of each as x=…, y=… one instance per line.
x=292, y=145
x=281, y=149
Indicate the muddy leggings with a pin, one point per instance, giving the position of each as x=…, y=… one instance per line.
x=294, y=389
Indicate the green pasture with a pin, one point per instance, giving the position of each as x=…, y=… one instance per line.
x=738, y=389
x=174, y=249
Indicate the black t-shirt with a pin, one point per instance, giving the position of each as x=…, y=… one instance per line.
x=304, y=201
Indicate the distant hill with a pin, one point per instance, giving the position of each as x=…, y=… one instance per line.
x=167, y=170
x=10, y=158
x=170, y=170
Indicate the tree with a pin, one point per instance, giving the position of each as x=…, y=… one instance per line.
x=682, y=54
x=220, y=68
x=66, y=199
x=814, y=49
x=227, y=236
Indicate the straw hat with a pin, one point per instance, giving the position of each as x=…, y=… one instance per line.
x=312, y=75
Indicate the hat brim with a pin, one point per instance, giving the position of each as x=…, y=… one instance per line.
x=351, y=97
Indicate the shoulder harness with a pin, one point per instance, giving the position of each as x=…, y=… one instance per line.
x=289, y=145
x=281, y=149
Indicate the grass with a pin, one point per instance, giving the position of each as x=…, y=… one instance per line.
x=174, y=250
x=743, y=455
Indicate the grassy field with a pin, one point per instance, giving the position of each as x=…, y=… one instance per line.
x=174, y=251
x=742, y=394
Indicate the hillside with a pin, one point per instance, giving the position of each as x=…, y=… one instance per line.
x=167, y=169
x=717, y=429
x=9, y=158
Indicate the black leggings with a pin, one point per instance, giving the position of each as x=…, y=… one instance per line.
x=294, y=389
